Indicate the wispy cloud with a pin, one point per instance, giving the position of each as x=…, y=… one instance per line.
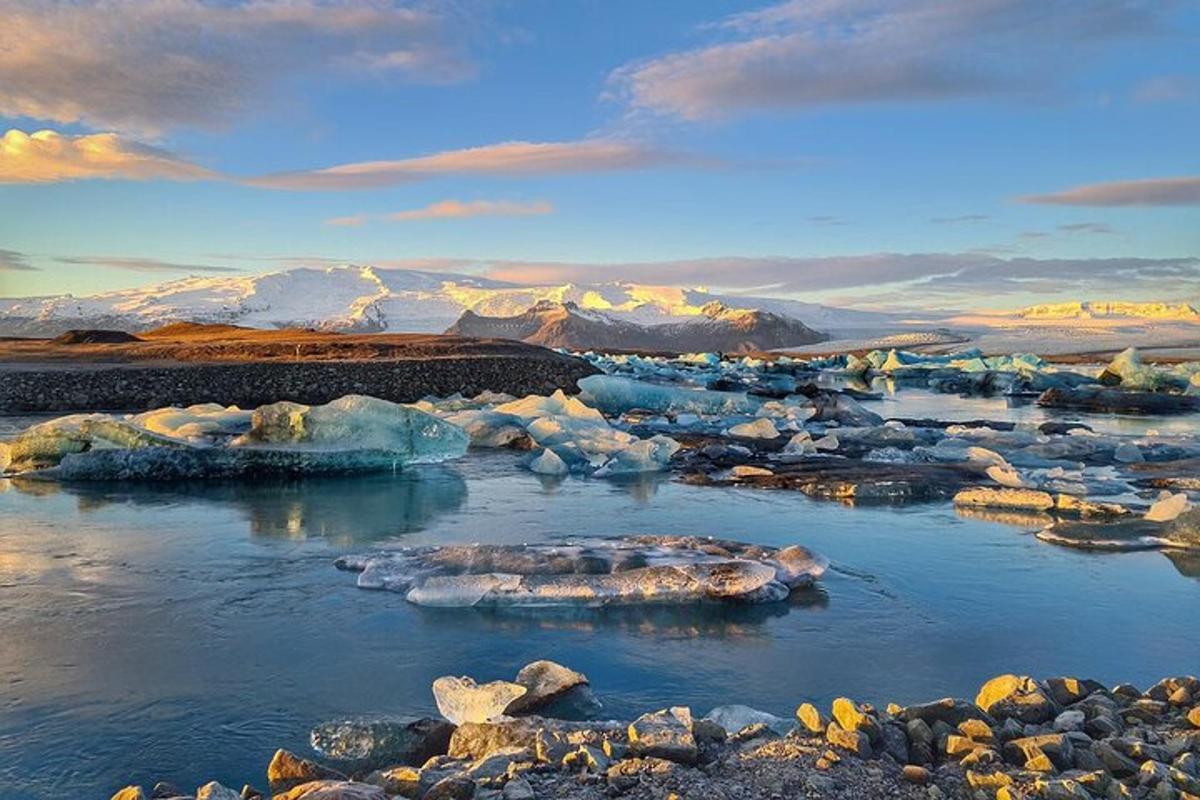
x=153, y=66
x=826, y=219
x=961, y=218
x=1167, y=89
x=504, y=159
x=451, y=209
x=806, y=53
x=15, y=261
x=133, y=264
x=1100, y=228
x=49, y=157
x=1148, y=192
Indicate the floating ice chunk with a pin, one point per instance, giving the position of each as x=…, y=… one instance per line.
x=198, y=424
x=761, y=428
x=548, y=463
x=1168, y=506
x=490, y=428
x=558, y=404
x=590, y=572
x=616, y=395
x=701, y=359
x=646, y=455
x=354, y=433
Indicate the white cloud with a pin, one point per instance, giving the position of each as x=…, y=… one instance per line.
x=805, y=53
x=48, y=157
x=1183, y=191
x=145, y=67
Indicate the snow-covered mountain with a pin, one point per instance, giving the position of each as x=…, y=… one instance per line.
x=716, y=328
x=1106, y=309
x=357, y=298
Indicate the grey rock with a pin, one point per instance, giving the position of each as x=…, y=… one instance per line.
x=664, y=734
x=365, y=743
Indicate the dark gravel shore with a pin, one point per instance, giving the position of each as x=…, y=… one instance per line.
x=183, y=365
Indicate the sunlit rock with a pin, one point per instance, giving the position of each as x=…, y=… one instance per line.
x=362, y=743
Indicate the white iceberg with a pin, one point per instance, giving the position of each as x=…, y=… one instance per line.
x=590, y=572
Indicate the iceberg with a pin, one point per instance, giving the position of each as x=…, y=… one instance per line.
x=630, y=570
x=352, y=434
x=615, y=395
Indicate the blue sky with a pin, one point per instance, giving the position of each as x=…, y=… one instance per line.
x=872, y=152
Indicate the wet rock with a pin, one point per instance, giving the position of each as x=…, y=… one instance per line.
x=1015, y=696
x=287, y=770
x=463, y=700
x=664, y=734
x=365, y=743
x=333, y=790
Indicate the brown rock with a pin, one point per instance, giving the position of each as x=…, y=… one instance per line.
x=288, y=769
x=333, y=790
x=914, y=774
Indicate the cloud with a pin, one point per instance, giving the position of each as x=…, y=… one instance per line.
x=959, y=219
x=133, y=264
x=456, y=209
x=504, y=159
x=49, y=157
x=1166, y=89
x=151, y=66
x=1087, y=227
x=807, y=53
x=15, y=261
x=826, y=219
x=1148, y=192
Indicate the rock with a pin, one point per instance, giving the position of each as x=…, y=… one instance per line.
x=287, y=770
x=1116, y=762
x=1067, y=691
x=625, y=775
x=706, y=732
x=915, y=774
x=733, y=718
x=215, y=791
x=1069, y=720
x=130, y=793
x=852, y=718
x=1062, y=789
x=333, y=790
x=250, y=793
x=1193, y=717
x=164, y=789
x=548, y=739
x=1015, y=696
x=822, y=784
x=553, y=690
x=856, y=742
x=664, y=734
x=397, y=780
x=949, y=710
x=811, y=719
x=498, y=763
x=463, y=700
x=452, y=787
x=518, y=789
x=895, y=741
x=1164, y=689
x=976, y=730
x=1042, y=753
x=366, y=743
x=586, y=758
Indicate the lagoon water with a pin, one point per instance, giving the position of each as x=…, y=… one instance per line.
x=184, y=632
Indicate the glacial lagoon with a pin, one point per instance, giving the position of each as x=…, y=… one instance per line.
x=183, y=631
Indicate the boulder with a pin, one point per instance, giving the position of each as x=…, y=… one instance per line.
x=664, y=734
x=366, y=743
x=130, y=793
x=553, y=690
x=949, y=710
x=1016, y=696
x=851, y=717
x=1066, y=691
x=548, y=739
x=856, y=742
x=215, y=791
x=811, y=719
x=1043, y=753
x=452, y=787
x=463, y=700
x=333, y=790
x=288, y=769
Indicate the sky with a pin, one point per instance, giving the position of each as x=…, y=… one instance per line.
x=871, y=153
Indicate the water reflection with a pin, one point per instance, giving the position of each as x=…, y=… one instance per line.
x=345, y=510
x=696, y=620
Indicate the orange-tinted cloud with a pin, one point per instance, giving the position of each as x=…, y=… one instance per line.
x=48, y=157
x=456, y=209
x=505, y=159
x=1148, y=192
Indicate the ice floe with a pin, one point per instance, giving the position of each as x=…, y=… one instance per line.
x=631, y=570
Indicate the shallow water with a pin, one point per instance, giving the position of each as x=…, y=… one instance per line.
x=184, y=632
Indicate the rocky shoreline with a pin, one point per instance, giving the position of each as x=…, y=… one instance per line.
x=93, y=387
x=536, y=737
